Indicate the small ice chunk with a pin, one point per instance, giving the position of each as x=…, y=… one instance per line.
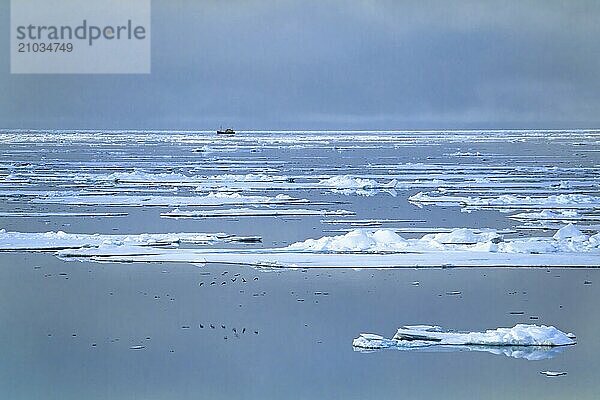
x=553, y=373
x=349, y=185
x=348, y=182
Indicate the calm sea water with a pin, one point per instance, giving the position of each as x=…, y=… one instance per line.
x=67, y=328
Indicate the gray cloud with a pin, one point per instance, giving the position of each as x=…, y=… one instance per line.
x=336, y=64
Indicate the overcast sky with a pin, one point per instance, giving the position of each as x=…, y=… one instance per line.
x=323, y=64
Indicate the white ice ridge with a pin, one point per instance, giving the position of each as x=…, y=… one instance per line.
x=519, y=336
x=428, y=335
x=47, y=241
x=561, y=201
x=251, y=212
x=211, y=199
x=566, y=240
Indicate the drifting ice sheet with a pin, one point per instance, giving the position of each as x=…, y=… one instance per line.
x=18, y=241
x=567, y=239
x=145, y=177
x=532, y=342
x=554, y=216
x=508, y=201
x=211, y=199
x=347, y=185
x=251, y=212
x=33, y=214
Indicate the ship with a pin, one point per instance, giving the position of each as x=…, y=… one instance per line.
x=227, y=131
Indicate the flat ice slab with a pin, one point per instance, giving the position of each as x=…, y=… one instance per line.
x=49, y=241
x=571, y=201
x=211, y=199
x=251, y=212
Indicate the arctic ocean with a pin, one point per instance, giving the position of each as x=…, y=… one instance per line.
x=183, y=264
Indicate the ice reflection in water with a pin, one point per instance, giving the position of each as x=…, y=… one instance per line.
x=531, y=353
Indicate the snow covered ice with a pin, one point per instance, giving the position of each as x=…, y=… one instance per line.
x=532, y=342
x=381, y=248
x=566, y=239
x=210, y=199
x=348, y=185
x=252, y=212
x=48, y=241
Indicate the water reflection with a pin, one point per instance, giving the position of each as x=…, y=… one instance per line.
x=531, y=353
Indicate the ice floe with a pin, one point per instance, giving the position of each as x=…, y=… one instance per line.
x=562, y=201
x=567, y=239
x=422, y=230
x=47, y=241
x=466, y=154
x=346, y=184
x=211, y=199
x=251, y=212
x=553, y=373
x=180, y=178
x=33, y=214
x=369, y=222
x=141, y=176
x=555, y=216
x=532, y=342
x=247, y=178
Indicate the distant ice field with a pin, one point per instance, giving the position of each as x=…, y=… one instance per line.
x=284, y=187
